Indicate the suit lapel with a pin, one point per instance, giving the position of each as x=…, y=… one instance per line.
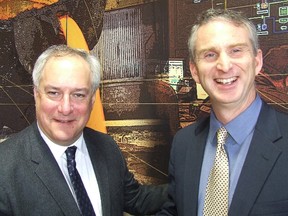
x=48, y=171
x=100, y=168
x=261, y=157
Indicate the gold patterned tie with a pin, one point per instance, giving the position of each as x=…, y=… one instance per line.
x=216, y=199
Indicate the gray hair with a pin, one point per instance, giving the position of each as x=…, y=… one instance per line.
x=233, y=16
x=63, y=50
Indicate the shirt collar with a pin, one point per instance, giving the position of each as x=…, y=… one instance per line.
x=240, y=127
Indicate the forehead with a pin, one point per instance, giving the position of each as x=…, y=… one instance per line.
x=221, y=31
x=66, y=70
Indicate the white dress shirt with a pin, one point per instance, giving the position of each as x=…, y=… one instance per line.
x=84, y=167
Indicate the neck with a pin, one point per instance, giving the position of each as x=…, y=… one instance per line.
x=227, y=112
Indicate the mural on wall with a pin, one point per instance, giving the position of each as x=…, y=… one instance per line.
x=141, y=110
x=147, y=90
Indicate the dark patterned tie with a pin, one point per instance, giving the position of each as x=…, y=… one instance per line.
x=216, y=199
x=84, y=203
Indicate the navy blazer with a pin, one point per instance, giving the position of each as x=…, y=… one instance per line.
x=262, y=187
x=32, y=184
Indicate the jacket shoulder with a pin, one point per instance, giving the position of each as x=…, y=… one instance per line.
x=102, y=143
x=17, y=141
x=194, y=129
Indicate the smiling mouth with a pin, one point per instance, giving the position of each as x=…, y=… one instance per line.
x=226, y=81
x=64, y=121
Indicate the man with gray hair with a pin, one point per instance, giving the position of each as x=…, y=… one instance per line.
x=235, y=161
x=58, y=166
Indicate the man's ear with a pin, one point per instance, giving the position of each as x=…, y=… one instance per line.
x=194, y=72
x=258, y=62
x=35, y=92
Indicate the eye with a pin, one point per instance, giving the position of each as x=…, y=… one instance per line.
x=237, y=51
x=210, y=56
x=79, y=96
x=53, y=94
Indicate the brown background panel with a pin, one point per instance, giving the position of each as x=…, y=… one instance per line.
x=137, y=44
x=138, y=38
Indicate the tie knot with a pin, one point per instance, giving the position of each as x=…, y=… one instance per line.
x=70, y=152
x=222, y=135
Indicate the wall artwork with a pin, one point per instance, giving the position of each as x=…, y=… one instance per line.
x=147, y=91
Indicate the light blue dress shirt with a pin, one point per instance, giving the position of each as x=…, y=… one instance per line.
x=240, y=132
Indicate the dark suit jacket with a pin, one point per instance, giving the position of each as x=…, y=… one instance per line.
x=31, y=183
x=262, y=188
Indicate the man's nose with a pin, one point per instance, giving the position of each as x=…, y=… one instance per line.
x=66, y=105
x=224, y=62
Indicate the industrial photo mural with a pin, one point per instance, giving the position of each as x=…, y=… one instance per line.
x=146, y=89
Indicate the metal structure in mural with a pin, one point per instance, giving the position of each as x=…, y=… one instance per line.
x=141, y=112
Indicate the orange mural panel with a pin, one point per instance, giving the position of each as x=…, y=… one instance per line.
x=10, y=8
